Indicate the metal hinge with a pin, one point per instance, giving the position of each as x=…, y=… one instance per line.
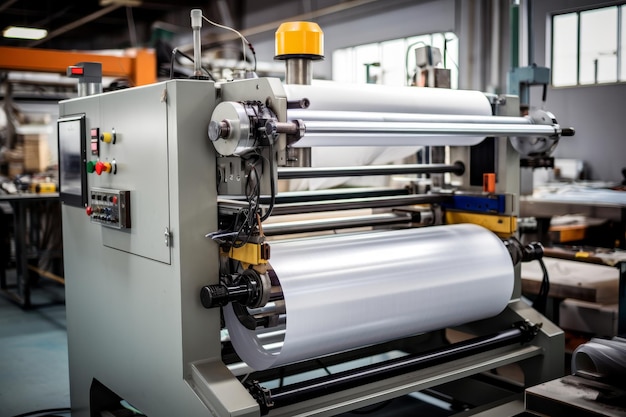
x=168, y=236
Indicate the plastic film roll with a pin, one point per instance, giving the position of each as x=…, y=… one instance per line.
x=603, y=358
x=377, y=99
x=349, y=291
x=328, y=95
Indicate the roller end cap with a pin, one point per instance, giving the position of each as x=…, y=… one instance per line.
x=214, y=296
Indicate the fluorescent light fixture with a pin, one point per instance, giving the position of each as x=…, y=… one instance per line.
x=20, y=32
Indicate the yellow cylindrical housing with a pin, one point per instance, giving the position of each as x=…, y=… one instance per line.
x=299, y=40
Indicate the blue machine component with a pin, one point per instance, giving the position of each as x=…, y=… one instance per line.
x=494, y=203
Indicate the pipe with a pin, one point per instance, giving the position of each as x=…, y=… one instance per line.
x=358, y=171
x=358, y=203
x=280, y=397
x=298, y=71
x=418, y=128
x=514, y=33
x=334, y=194
x=320, y=225
x=196, y=26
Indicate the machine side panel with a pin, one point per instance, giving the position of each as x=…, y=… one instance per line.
x=75, y=229
x=124, y=312
x=193, y=203
x=139, y=120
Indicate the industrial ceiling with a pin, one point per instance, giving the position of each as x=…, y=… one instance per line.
x=94, y=24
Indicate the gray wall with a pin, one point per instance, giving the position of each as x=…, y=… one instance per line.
x=596, y=112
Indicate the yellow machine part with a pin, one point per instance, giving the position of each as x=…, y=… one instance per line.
x=251, y=253
x=43, y=187
x=299, y=39
x=503, y=226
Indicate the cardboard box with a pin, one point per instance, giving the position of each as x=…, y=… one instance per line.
x=15, y=169
x=36, y=152
x=593, y=318
x=568, y=233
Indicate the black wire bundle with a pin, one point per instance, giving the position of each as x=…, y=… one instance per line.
x=249, y=223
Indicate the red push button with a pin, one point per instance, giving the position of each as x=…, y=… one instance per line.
x=103, y=167
x=89, y=211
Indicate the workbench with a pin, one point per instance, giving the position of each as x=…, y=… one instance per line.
x=575, y=396
x=594, y=204
x=595, y=276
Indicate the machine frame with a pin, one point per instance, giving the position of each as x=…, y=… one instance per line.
x=136, y=327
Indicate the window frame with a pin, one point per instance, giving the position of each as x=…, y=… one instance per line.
x=410, y=43
x=620, y=77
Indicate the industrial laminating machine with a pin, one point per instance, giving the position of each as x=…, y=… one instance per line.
x=188, y=294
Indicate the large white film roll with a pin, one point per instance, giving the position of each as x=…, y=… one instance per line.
x=348, y=291
x=330, y=96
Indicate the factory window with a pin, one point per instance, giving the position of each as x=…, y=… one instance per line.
x=588, y=46
x=393, y=62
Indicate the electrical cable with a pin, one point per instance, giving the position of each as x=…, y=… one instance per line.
x=247, y=225
x=406, y=58
x=445, y=53
x=244, y=41
x=175, y=52
x=46, y=411
x=253, y=55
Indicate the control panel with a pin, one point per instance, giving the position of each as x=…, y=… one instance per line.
x=109, y=207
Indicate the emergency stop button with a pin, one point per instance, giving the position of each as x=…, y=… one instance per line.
x=109, y=137
x=103, y=167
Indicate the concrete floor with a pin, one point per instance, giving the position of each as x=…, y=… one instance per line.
x=33, y=353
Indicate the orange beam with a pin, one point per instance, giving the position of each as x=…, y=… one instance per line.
x=138, y=64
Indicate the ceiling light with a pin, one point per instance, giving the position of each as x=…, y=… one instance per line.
x=19, y=32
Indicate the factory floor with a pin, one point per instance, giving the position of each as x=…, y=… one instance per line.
x=33, y=352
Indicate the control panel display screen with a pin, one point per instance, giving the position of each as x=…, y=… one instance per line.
x=72, y=158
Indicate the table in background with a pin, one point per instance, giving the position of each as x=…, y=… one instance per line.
x=26, y=229
x=591, y=286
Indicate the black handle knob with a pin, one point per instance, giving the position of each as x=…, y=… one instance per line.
x=214, y=296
